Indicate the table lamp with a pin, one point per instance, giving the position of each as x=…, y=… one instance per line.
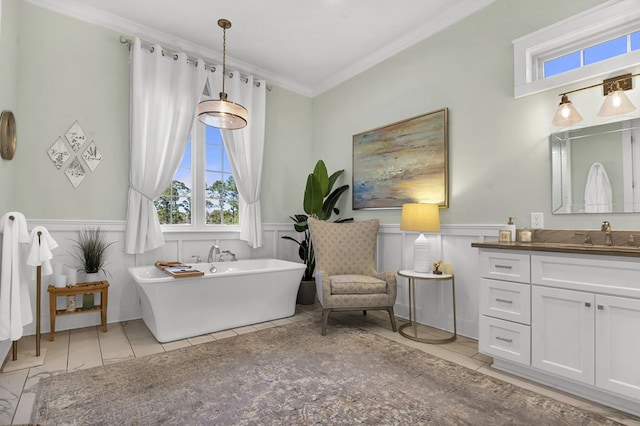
x=422, y=218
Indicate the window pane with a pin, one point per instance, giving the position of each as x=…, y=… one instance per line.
x=221, y=192
x=562, y=64
x=635, y=40
x=174, y=206
x=606, y=50
x=214, y=157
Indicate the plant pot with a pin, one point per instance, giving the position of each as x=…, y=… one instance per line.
x=306, y=293
x=91, y=277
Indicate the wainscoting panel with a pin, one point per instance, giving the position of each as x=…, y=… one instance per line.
x=395, y=252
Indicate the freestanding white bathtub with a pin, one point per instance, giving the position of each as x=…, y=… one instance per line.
x=236, y=294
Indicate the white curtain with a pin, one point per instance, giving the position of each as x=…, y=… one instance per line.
x=165, y=91
x=245, y=148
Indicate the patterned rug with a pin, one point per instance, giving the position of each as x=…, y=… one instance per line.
x=292, y=375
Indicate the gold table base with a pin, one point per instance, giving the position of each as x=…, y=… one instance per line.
x=413, y=276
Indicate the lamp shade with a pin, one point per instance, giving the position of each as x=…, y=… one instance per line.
x=222, y=113
x=616, y=103
x=566, y=114
x=420, y=217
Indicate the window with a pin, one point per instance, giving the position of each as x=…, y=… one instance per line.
x=221, y=192
x=205, y=165
x=589, y=55
x=593, y=43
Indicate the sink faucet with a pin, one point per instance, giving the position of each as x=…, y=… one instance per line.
x=214, y=254
x=606, y=227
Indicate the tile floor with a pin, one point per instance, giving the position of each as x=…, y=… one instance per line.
x=90, y=347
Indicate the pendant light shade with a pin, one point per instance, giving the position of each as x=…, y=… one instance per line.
x=222, y=113
x=566, y=114
x=616, y=103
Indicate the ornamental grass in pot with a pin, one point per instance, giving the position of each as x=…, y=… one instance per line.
x=90, y=248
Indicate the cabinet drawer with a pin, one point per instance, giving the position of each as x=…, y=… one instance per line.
x=501, y=265
x=505, y=300
x=506, y=340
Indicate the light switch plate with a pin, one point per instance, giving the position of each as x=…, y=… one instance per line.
x=537, y=220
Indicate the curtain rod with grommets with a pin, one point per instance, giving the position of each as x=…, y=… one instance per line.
x=190, y=60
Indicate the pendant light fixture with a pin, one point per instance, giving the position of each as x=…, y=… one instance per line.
x=222, y=113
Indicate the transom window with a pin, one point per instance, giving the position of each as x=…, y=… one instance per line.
x=594, y=43
x=592, y=54
x=203, y=192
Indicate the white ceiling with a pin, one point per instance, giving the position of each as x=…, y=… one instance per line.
x=307, y=46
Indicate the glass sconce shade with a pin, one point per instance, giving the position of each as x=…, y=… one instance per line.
x=566, y=114
x=616, y=103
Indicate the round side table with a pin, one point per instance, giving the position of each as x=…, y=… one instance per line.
x=413, y=276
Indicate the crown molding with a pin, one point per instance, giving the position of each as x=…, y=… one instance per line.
x=130, y=29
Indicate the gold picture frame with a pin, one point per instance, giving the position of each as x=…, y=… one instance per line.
x=403, y=162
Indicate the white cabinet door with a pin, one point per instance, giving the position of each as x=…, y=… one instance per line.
x=618, y=345
x=562, y=333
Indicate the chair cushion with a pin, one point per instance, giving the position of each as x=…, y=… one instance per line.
x=344, y=248
x=357, y=284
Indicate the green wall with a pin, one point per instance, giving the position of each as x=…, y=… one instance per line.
x=9, y=12
x=66, y=70
x=498, y=145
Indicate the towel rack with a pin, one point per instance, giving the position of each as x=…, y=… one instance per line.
x=38, y=296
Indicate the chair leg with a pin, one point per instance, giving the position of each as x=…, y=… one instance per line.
x=325, y=320
x=393, y=319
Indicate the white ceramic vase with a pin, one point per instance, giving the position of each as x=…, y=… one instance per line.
x=93, y=277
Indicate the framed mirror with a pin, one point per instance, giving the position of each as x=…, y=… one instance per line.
x=593, y=169
x=7, y=135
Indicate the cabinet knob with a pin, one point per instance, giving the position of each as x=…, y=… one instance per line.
x=587, y=304
x=601, y=307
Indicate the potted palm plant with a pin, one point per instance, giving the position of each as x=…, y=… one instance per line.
x=320, y=199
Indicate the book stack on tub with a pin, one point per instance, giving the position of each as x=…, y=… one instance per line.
x=178, y=269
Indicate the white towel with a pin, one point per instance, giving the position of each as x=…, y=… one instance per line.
x=597, y=191
x=15, y=303
x=40, y=252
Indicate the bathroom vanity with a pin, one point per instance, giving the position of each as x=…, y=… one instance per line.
x=565, y=315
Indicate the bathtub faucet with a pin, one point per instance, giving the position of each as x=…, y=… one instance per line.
x=228, y=252
x=214, y=254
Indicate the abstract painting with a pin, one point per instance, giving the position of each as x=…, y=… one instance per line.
x=403, y=162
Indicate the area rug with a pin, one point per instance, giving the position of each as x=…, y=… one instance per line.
x=292, y=375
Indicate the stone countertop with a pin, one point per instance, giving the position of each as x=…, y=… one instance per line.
x=564, y=248
x=572, y=241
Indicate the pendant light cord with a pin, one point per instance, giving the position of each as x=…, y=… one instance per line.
x=224, y=55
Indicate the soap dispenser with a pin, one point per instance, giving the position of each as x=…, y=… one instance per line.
x=511, y=227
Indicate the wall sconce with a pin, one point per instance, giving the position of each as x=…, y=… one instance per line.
x=615, y=101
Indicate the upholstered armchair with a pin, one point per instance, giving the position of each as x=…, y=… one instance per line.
x=346, y=275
